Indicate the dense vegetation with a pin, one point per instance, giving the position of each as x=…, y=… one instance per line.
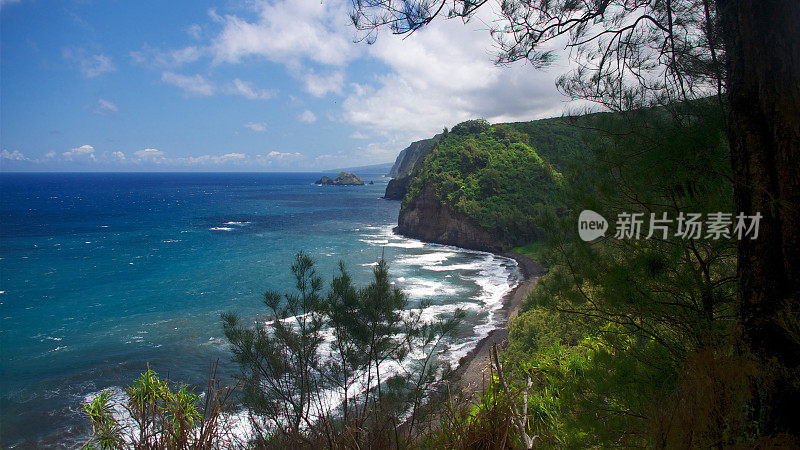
x=491, y=175
x=632, y=341
x=629, y=342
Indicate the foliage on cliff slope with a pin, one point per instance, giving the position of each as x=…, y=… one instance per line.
x=493, y=176
x=632, y=342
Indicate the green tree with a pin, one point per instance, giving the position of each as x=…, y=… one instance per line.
x=303, y=389
x=280, y=359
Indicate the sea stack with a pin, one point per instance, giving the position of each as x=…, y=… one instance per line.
x=344, y=179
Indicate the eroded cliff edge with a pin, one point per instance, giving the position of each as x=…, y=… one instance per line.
x=427, y=218
x=407, y=162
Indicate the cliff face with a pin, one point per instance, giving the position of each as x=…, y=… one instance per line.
x=397, y=188
x=412, y=156
x=427, y=218
x=407, y=161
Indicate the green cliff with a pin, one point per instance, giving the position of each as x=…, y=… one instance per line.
x=483, y=186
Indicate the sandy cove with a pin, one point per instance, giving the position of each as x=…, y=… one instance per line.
x=472, y=371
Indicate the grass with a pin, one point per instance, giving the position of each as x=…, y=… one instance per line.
x=534, y=250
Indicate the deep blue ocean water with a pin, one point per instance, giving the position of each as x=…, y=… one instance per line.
x=101, y=274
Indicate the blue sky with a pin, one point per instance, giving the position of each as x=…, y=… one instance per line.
x=223, y=86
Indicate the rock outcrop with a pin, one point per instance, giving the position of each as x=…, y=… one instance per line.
x=411, y=156
x=397, y=188
x=427, y=218
x=407, y=161
x=344, y=179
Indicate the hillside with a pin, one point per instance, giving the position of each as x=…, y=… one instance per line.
x=482, y=186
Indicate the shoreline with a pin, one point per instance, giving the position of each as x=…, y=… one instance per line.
x=470, y=374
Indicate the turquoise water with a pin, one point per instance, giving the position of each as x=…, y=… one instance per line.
x=101, y=274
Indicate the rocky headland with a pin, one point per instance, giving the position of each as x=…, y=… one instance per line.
x=427, y=218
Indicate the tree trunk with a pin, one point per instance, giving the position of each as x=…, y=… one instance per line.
x=762, y=40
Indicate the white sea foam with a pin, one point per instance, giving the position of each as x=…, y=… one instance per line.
x=221, y=229
x=239, y=224
x=453, y=267
x=420, y=288
x=377, y=242
x=425, y=259
x=409, y=244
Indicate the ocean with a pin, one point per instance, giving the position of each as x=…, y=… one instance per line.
x=102, y=274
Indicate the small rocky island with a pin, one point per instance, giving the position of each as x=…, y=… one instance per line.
x=344, y=179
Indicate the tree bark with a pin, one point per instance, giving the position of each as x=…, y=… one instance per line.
x=762, y=40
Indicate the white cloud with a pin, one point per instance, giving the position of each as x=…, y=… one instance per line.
x=16, y=155
x=50, y=154
x=280, y=160
x=97, y=65
x=358, y=135
x=170, y=59
x=104, y=107
x=319, y=85
x=307, y=117
x=287, y=32
x=158, y=157
x=195, y=31
x=256, y=126
x=91, y=66
x=82, y=153
x=248, y=91
x=441, y=75
x=209, y=159
x=119, y=156
x=276, y=154
x=149, y=154
x=299, y=34
x=196, y=85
